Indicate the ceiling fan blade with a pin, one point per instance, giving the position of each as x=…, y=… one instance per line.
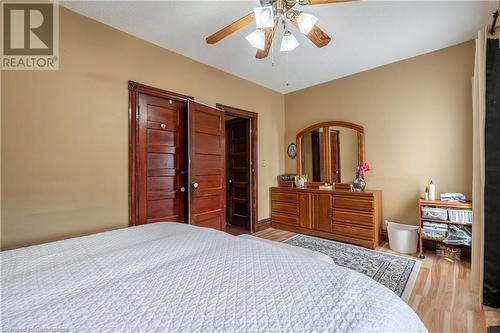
x=316, y=35
x=269, y=40
x=320, y=2
x=224, y=32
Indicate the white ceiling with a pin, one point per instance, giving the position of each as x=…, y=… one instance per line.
x=365, y=34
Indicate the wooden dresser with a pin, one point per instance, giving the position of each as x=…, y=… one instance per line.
x=352, y=217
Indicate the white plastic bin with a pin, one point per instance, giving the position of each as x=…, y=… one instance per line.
x=403, y=238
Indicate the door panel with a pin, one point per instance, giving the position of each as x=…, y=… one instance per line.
x=158, y=187
x=306, y=210
x=206, y=127
x=161, y=141
x=210, y=182
x=163, y=114
x=161, y=165
x=205, y=204
x=162, y=210
x=323, y=212
x=160, y=157
x=238, y=172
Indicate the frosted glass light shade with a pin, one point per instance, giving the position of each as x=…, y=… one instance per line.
x=289, y=42
x=264, y=17
x=306, y=22
x=257, y=39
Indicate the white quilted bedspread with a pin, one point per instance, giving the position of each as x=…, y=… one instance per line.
x=171, y=277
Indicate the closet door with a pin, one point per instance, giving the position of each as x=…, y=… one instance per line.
x=207, y=166
x=160, y=159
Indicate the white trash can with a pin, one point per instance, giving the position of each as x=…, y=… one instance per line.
x=403, y=238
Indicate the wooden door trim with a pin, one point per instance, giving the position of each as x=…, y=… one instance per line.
x=252, y=116
x=134, y=89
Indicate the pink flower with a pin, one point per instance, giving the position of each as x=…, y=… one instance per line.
x=362, y=169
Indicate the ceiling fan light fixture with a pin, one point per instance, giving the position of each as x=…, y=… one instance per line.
x=264, y=17
x=306, y=22
x=289, y=42
x=257, y=39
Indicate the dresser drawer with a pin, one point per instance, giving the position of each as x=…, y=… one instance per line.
x=348, y=230
x=352, y=203
x=285, y=207
x=284, y=196
x=292, y=220
x=357, y=218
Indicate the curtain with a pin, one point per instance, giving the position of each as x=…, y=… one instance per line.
x=478, y=161
x=491, y=278
x=485, y=264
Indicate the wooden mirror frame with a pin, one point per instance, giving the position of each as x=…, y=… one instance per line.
x=326, y=143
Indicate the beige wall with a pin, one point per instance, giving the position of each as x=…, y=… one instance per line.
x=64, y=133
x=417, y=117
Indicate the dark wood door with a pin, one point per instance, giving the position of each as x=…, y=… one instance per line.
x=160, y=159
x=238, y=173
x=317, y=154
x=207, y=164
x=335, y=155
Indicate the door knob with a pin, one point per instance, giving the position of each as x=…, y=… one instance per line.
x=230, y=181
x=194, y=185
x=183, y=189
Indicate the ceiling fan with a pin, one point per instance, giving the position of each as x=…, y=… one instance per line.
x=269, y=16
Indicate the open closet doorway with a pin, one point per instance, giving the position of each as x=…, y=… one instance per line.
x=241, y=176
x=237, y=173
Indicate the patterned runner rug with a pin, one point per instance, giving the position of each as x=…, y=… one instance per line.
x=395, y=272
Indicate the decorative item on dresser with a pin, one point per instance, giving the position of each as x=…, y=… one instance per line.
x=352, y=217
x=286, y=180
x=447, y=213
x=359, y=183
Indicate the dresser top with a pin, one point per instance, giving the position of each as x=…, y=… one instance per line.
x=317, y=190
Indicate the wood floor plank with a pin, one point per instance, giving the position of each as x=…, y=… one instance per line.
x=441, y=295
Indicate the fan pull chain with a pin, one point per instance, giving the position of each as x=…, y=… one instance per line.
x=272, y=54
x=287, y=83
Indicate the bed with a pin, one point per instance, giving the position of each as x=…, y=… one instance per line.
x=173, y=277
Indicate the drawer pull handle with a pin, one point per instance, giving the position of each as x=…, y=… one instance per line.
x=163, y=126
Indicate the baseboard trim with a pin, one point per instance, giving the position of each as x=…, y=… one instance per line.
x=263, y=224
x=385, y=237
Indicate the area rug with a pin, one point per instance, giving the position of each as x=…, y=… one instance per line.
x=395, y=272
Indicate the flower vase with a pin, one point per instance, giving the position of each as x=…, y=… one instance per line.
x=359, y=184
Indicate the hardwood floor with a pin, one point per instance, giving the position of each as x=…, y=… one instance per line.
x=441, y=295
x=235, y=230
